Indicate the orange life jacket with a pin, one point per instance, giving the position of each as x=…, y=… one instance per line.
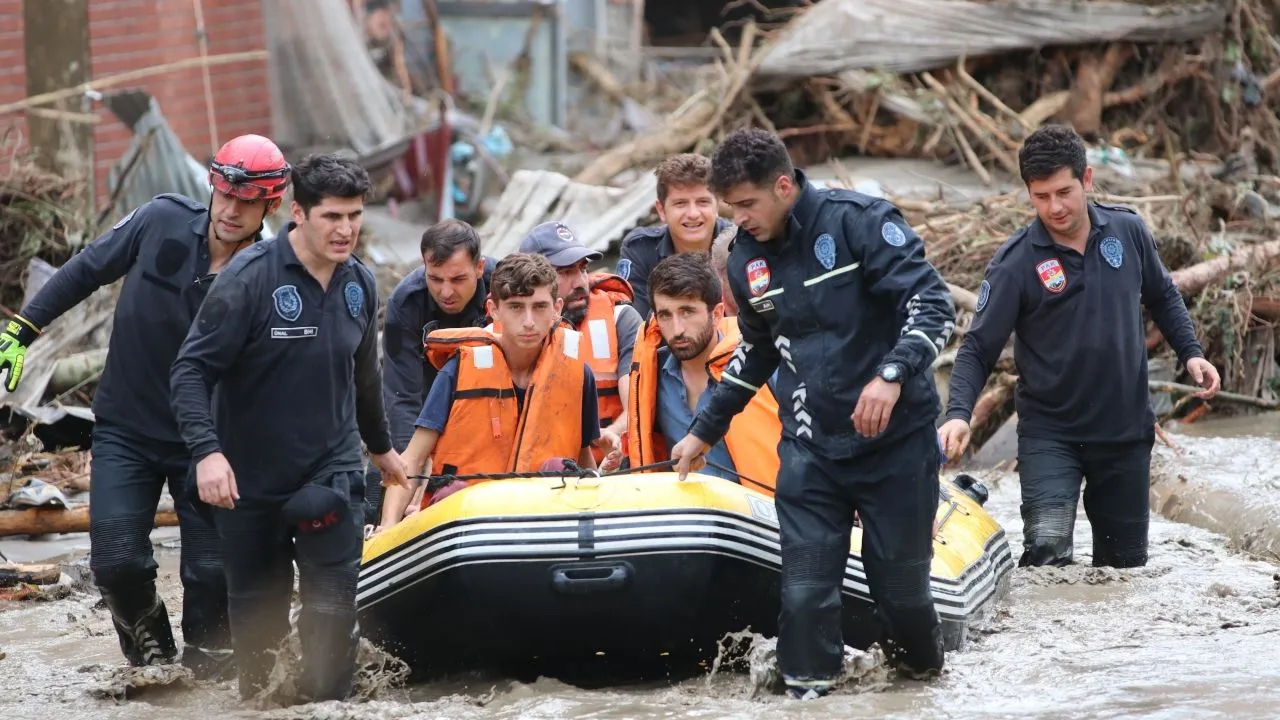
x=601, y=331
x=485, y=431
x=753, y=434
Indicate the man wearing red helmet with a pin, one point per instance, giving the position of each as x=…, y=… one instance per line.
x=168, y=250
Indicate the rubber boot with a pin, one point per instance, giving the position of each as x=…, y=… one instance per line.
x=1119, y=544
x=208, y=663
x=912, y=641
x=142, y=624
x=330, y=642
x=1047, y=535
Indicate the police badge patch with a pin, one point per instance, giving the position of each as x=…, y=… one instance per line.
x=355, y=298
x=1112, y=251
x=893, y=234
x=288, y=302
x=758, y=276
x=825, y=248
x=984, y=294
x=624, y=269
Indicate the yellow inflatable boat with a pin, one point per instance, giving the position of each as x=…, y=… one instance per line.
x=523, y=572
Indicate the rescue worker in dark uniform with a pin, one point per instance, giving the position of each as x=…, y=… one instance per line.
x=448, y=291
x=288, y=335
x=167, y=250
x=834, y=291
x=690, y=220
x=1072, y=284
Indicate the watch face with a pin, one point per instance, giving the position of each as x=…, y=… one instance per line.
x=890, y=373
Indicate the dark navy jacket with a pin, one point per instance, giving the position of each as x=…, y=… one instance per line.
x=296, y=370
x=1080, y=340
x=642, y=249
x=846, y=290
x=162, y=251
x=406, y=374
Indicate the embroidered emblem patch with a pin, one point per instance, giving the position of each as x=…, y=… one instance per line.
x=984, y=294
x=354, y=295
x=624, y=269
x=1112, y=251
x=1052, y=276
x=288, y=302
x=758, y=276
x=564, y=233
x=893, y=234
x=825, y=248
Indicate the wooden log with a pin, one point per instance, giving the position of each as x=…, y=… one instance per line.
x=991, y=400
x=1094, y=76
x=964, y=299
x=11, y=574
x=1258, y=258
x=38, y=521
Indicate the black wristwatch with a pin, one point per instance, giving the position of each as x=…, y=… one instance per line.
x=891, y=372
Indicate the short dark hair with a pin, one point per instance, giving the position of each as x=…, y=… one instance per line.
x=1048, y=150
x=324, y=175
x=442, y=240
x=683, y=170
x=749, y=156
x=684, y=275
x=520, y=274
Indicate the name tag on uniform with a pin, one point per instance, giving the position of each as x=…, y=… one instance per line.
x=294, y=333
x=761, y=304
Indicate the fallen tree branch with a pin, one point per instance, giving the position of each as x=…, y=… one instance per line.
x=11, y=574
x=1180, y=389
x=991, y=400
x=1258, y=258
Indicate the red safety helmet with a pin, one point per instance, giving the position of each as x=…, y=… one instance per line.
x=250, y=167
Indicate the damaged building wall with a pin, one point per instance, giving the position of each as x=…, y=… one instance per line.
x=127, y=35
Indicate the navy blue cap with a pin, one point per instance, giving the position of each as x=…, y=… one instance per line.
x=557, y=243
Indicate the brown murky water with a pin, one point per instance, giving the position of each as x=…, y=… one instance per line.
x=1195, y=634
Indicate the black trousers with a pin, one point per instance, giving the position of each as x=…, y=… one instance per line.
x=128, y=473
x=895, y=492
x=1116, y=478
x=261, y=542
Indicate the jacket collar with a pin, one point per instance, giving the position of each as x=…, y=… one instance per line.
x=1040, y=236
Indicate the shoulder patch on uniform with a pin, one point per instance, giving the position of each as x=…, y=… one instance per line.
x=624, y=269
x=984, y=294
x=893, y=234
x=1052, y=276
x=182, y=200
x=758, y=276
x=354, y=295
x=1112, y=251
x=825, y=248
x=288, y=302
x=125, y=220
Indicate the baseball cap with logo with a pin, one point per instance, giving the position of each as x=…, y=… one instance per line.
x=557, y=243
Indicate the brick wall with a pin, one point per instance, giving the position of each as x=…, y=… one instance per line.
x=13, y=74
x=127, y=35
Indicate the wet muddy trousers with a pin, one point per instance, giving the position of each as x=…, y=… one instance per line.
x=127, y=475
x=319, y=528
x=1116, y=479
x=895, y=493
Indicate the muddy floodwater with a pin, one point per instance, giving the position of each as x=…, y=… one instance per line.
x=1195, y=634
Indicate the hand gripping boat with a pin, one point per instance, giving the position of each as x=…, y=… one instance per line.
x=631, y=567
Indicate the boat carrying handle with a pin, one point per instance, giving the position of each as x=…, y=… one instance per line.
x=581, y=579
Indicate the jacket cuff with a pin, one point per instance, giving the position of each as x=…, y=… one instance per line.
x=204, y=448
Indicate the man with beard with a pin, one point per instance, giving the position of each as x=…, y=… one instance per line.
x=287, y=342
x=1071, y=286
x=670, y=383
x=598, y=306
x=168, y=250
x=448, y=291
x=688, y=212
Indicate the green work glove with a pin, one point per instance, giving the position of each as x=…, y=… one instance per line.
x=17, y=335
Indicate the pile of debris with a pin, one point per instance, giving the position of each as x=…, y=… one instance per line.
x=37, y=220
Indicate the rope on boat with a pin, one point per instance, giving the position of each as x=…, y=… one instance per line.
x=571, y=469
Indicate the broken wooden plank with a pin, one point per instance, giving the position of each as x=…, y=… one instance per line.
x=12, y=574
